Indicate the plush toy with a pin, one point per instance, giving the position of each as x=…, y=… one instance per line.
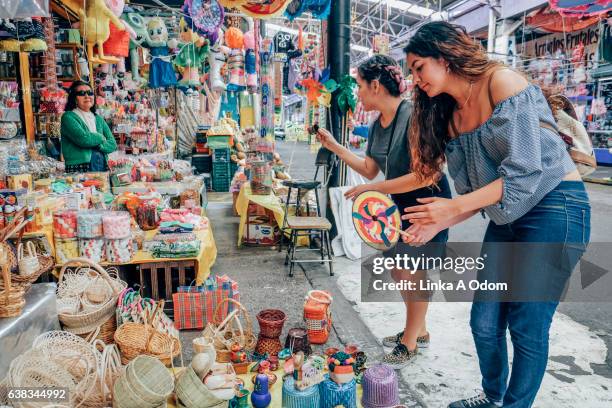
x=250, y=59
x=118, y=43
x=161, y=74
x=234, y=38
x=216, y=60
x=193, y=50
x=95, y=27
x=139, y=27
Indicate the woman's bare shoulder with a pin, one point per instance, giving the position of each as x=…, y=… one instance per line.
x=506, y=83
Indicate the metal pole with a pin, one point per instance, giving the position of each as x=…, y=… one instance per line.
x=492, y=26
x=339, y=57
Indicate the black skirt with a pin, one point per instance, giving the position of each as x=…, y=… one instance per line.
x=435, y=247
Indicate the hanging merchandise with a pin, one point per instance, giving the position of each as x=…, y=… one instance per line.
x=295, y=9
x=193, y=51
x=580, y=8
x=216, y=61
x=118, y=43
x=250, y=61
x=138, y=25
x=267, y=94
x=95, y=27
x=318, y=8
x=161, y=74
x=234, y=39
x=204, y=16
x=265, y=9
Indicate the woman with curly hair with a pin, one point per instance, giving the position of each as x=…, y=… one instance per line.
x=498, y=136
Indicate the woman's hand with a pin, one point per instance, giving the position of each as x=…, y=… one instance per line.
x=355, y=191
x=434, y=210
x=327, y=139
x=420, y=234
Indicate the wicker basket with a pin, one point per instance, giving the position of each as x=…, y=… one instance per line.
x=271, y=322
x=12, y=298
x=145, y=384
x=100, y=315
x=134, y=339
x=192, y=392
x=45, y=263
x=231, y=330
x=105, y=332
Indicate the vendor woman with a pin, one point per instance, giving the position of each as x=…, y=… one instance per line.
x=86, y=138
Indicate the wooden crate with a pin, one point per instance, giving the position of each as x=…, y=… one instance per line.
x=160, y=280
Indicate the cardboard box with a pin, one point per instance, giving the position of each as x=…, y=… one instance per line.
x=262, y=234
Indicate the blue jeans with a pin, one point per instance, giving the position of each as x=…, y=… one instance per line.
x=561, y=219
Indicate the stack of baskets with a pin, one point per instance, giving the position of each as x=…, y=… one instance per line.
x=13, y=287
x=60, y=359
x=231, y=330
x=147, y=383
x=135, y=339
x=87, y=299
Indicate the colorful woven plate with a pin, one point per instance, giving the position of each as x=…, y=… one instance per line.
x=373, y=213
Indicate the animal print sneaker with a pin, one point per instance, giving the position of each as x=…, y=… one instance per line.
x=392, y=341
x=400, y=357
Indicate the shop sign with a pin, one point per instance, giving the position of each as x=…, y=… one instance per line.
x=589, y=37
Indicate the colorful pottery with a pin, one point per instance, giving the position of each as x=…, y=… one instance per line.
x=261, y=397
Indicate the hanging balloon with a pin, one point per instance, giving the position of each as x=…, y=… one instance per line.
x=207, y=17
x=376, y=220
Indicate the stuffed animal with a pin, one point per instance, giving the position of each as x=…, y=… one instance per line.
x=216, y=60
x=161, y=73
x=193, y=51
x=95, y=27
x=250, y=61
x=139, y=26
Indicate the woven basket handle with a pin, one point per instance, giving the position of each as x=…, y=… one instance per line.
x=19, y=252
x=149, y=319
x=6, y=276
x=78, y=262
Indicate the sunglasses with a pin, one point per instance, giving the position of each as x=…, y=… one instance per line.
x=84, y=93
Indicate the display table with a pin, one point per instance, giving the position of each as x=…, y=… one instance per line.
x=276, y=390
x=39, y=316
x=270, y=202
x=202, y=263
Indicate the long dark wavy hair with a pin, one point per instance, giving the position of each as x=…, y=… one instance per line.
x=71, y=103
x=430, y=118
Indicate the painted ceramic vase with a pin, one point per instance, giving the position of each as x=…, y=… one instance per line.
x=261, y=397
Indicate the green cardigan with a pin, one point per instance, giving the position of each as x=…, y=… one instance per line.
x=78, y=142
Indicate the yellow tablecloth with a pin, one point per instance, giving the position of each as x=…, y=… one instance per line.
x=270, y=202
x=203, y=262
x=276, y=390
